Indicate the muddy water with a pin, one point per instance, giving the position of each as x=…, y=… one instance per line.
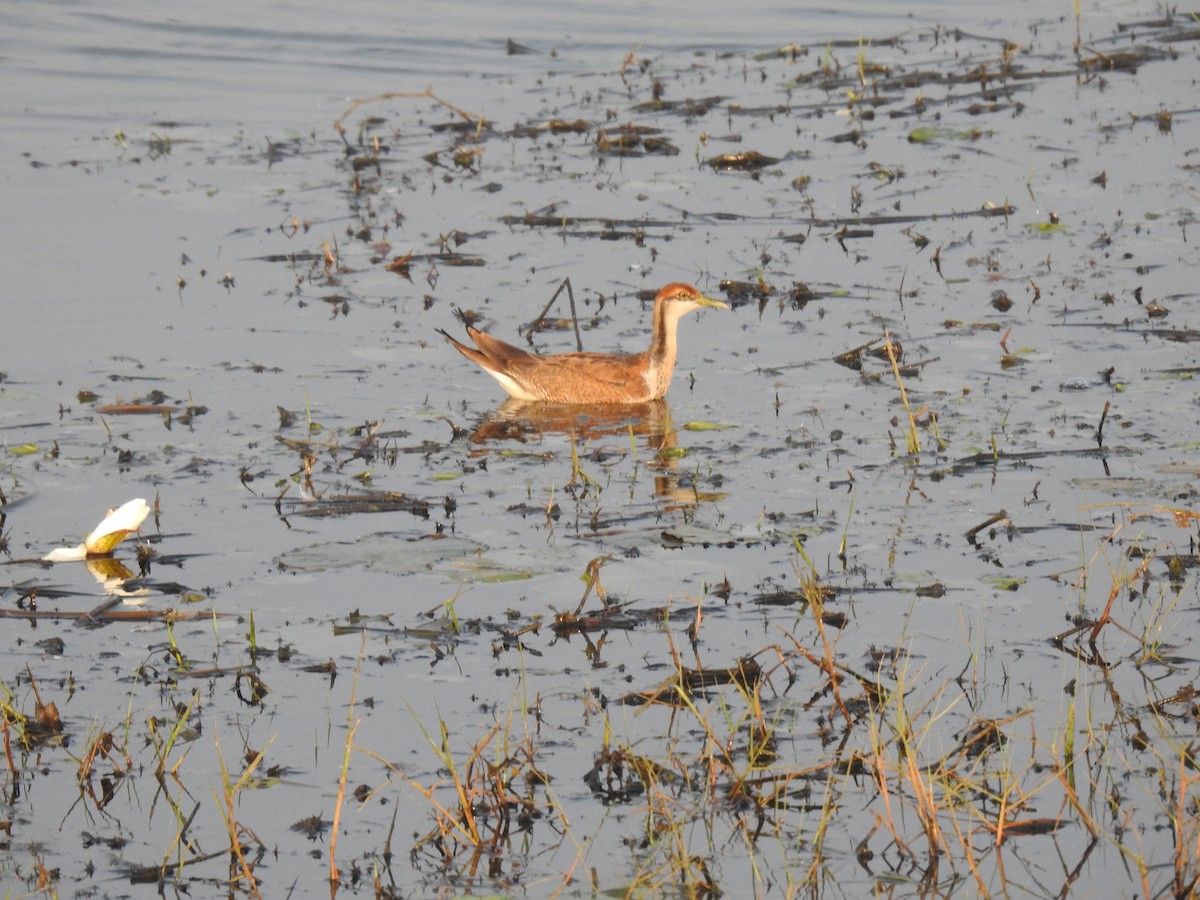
x=187, y=230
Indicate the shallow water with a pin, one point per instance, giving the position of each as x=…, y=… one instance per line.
x=172, y=186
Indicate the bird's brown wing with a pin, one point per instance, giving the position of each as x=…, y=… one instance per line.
x=584, y=377
x=500, y=354
x=599, y=368
x=559, y=377
x=490, y=353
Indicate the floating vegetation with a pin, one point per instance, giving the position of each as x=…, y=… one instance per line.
x=746, y=161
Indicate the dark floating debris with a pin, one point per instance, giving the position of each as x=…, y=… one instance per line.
x=134, y=409
x=744, y=291
x=878, y=349
x=633, y=140
x=851, y=359
x=354, y=504
x=1115, y=62
x=553, y=126
x=558, y=126
x=800, y=294
x=746, y=161
x=788, y=597
x=686, y=682
x=886, y=354
x=312, y=827
x=1176, y=335
x=689, y=108
x=1000, y=518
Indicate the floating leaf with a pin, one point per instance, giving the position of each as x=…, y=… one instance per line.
x=502, y=577
x=923, y=135
x=1005, y=582
x=706, y=426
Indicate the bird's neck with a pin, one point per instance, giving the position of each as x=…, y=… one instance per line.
x=664, y=347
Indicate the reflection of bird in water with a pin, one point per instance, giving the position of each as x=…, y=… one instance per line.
x=649, y=423
x=526, y=422
x=591, y=378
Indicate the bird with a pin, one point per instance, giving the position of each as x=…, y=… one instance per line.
x=591, y=378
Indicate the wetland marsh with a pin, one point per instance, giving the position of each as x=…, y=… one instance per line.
x=893, y=594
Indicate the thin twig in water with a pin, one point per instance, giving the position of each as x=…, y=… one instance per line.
x=395, y=95
x=536, y=323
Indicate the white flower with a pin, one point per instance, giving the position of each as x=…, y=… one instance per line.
x=117, y=525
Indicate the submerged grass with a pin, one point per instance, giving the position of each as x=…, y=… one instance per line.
x=487, y=804
x=928, y=795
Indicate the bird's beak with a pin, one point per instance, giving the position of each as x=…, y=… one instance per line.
x=709, y=301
